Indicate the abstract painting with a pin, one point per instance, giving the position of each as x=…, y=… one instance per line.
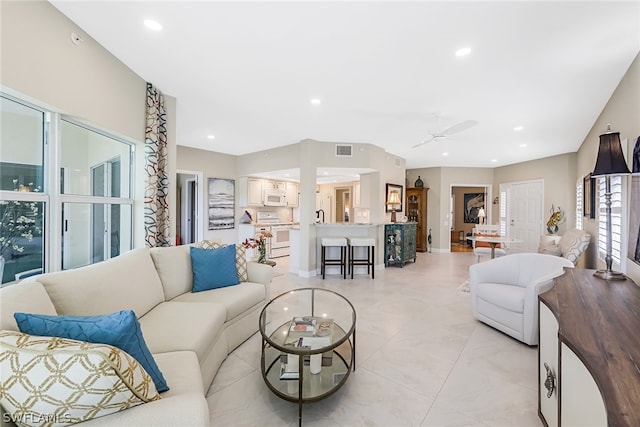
x=221, y=201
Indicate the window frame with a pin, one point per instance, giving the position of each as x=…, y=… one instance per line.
x=51, y=195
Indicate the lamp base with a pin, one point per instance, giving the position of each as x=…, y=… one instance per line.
x=610, y=275
x=393, y=216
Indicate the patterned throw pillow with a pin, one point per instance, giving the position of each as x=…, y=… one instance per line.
x=241, y=257
x=120, y=329
x=58, y=381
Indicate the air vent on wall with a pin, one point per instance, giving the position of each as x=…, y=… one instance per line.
x=344, y=150
x=398, y=162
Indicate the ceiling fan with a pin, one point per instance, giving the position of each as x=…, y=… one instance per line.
x=459, y=127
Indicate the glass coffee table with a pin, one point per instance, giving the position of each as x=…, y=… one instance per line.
x=308, y=344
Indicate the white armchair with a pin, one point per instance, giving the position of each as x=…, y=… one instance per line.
x=504, y=291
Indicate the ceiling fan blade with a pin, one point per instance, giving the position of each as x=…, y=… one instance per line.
x=458, y=127
x=423, y=142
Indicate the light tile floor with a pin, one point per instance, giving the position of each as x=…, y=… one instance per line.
x=422, y=359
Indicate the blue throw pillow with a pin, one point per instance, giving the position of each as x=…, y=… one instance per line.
x=120, y=329
x=214, y=268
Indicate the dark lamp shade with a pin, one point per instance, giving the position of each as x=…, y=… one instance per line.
x=610, y=159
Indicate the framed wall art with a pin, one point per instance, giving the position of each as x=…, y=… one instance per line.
x=393, y=202
x=221, y=203
x=472, y=204
x=588, y=197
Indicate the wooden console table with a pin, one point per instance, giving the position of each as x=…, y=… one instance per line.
x=590, y=344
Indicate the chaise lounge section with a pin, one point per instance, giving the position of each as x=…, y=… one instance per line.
x=188, y=333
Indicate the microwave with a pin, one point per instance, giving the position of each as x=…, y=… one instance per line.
x=273, y=197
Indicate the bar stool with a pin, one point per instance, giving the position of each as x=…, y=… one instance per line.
x=369, y=261
x=342, y=261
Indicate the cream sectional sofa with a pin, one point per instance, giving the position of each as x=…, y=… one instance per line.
x=189, y=334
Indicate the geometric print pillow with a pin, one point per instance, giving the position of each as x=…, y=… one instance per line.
x=241, y=257
x=57, y=381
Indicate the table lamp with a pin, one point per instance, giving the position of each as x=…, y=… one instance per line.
x=394, y=199
x=610, y=162
x=481, y=215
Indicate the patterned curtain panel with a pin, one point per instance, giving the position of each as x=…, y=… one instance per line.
x=156, y=206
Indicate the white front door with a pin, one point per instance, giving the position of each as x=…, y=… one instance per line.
x=524, y=214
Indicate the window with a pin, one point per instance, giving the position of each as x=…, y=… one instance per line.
x=503, y=212
x=23, y=199
x=579, y=204
x=95, y=186
x=616, y=219
x=63, y=186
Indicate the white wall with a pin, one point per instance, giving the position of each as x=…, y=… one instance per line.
x=41, y=65
x=623, y=113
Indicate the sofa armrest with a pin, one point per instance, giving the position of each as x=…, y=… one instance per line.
x=259, y=273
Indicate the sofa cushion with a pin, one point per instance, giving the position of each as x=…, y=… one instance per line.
x=126, y=282
x=573, y=243
x=213, y=268
x=237, y=299
x=182, y=371
x=551, y=250
x=173, y=265
x=178, y=326
x=120, y=329
x=241, y=257
x=43, y=376
x=24, y=296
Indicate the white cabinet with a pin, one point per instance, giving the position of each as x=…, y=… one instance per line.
x=292, y=194
x=249, y=191
x=548, y=366
x=254, y=192
x=563, y=376
x=275, y=185
x=581, y=401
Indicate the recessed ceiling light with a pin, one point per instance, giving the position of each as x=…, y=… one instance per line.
x=152, y=25
x=494, y=160
x=518, y=128
x=445, y=154
x=523, y=145
x=316, y=101
x=463, y=52
x=211, y=137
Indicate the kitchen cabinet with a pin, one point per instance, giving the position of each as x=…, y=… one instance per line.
x=588, y=352
x=254, y=191
x=400, y=243
x=417, y=212
x=274, y=185
x=250, y=191
x=292, y=194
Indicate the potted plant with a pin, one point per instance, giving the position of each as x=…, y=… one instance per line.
x=259, y=242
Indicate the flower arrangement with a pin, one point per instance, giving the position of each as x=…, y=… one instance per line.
x=19, y=220
x=259, y=242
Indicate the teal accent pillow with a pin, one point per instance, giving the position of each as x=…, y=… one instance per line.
x=214, y=268
x=120, y=329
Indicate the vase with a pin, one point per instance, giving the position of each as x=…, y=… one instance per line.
x=262, y=250
x=419, y=183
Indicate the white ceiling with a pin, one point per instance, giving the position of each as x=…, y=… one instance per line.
x=246, y=71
